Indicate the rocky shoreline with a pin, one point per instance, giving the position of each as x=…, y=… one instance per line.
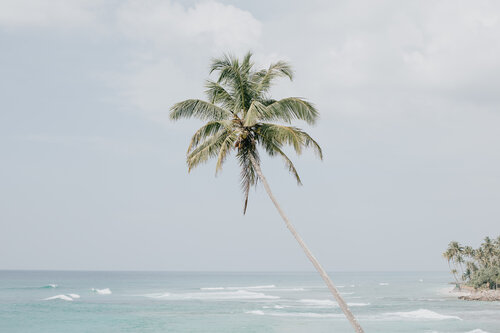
x=471, y=294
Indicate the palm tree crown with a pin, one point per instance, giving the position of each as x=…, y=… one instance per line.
x=241, y=116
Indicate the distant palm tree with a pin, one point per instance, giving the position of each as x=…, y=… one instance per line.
x=454, y=254
x=488, y=247
x=448, y=255
x=240, y=115
x=482, y=265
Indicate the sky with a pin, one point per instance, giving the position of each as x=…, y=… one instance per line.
x=93, y=173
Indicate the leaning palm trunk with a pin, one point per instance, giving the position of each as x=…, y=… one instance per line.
x=315, y=262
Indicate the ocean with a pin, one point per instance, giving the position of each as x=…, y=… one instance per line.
x=80, y=301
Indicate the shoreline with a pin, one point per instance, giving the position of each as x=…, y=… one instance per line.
x=472, y=294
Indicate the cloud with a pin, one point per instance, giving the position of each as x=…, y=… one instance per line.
x=383, y=56
x=169, y=43
x=161, y=22
x=375, y=59
x=48, y=13
x=173, y=45
x=223, y=26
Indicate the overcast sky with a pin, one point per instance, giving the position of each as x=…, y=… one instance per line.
x=93, y=174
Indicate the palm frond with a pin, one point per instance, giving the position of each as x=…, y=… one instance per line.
x=310, y=142
x=288, y=109
x=288, y=135
x=254, y=113
x=274, y=149
x=198, y=109
x=217, y=94
x=267, y=101
x=282, y=135
x=225, y=148
x=248, y=174
x=207, y=149
x=247, y=64
x=206, y=131
x=277, y=69
x=221, y=63
x=235, y=75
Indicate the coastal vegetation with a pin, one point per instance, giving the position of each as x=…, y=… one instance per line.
x=241, y=118
x=477, y=268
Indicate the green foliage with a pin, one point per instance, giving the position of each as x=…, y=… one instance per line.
x=479, y=268
x=486, y=277
x=240, y=115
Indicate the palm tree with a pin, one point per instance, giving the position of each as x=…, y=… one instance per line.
x=454, y=254
x=241, y=117
x=448, y=255
x=489, y=250
x=481, y=257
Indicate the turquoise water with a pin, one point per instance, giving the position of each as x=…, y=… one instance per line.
x=234, y=302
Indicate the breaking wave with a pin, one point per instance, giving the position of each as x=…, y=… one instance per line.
x=223, y=295
x=275, y=307
x=50, y=286
x=295, y=314
x=61, y=297
x=421, y=314
x=291, y=289
x=269, y=286
x=327, y=303
x=105, y=291
x=213, y=288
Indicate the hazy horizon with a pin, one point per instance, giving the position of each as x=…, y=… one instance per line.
x=226, y=271
x=93, y=174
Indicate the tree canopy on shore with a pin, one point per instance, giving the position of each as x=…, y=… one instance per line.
x=478, y=268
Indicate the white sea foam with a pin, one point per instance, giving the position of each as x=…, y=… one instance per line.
x=275, y=307
x=221, y=295
x=51, y=285
x=318, y=302
x=350, y=293
x=357, y=304
x=105, y=291
x=383, y=284
x=327, y=303
x=213, y=288
x=352, y=285
x=61, y=297
x=256, y=312
x=431, y=299
x=420, y=314
x=291, y=289
x=295, y=314
x=74, y=296
x=269, y=286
